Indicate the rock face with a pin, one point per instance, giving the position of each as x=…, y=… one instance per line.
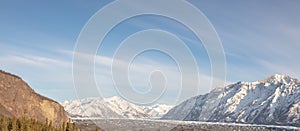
x=18, y=99
x=275, y=100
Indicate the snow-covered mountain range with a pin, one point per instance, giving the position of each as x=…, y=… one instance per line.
x=114, y=107
x=275, y=100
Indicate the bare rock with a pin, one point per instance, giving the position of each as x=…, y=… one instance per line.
x=17, y=99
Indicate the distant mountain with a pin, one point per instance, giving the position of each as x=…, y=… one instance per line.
x=275, y=100
x=114, y=107
x=17, y=99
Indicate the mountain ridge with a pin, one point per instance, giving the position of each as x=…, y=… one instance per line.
x=274, y=100
x=18, y=99
x=114, y=107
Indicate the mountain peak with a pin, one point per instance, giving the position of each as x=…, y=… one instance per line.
x=272, y=100
x=279, y=78
x=115, y=98
x=113, y=107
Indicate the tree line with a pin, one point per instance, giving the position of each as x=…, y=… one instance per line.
x=28, y=124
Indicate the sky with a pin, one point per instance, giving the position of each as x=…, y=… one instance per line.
x=38, y=39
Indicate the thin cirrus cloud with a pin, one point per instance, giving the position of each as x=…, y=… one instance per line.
x=259, y=39
x=31, y=60
x=139, y=73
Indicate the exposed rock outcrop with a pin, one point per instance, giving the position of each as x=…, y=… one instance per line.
x=18, y=99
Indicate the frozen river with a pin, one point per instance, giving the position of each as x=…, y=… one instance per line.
x=166, y=125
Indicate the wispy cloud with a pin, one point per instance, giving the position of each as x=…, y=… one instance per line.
x=139, y=73
x=31, y=60
x=280, y=68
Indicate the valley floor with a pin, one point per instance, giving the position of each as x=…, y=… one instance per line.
x=166, y=125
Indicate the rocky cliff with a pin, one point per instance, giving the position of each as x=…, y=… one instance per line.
x=17, y=99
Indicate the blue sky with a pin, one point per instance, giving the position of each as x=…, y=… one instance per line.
x=37, y=38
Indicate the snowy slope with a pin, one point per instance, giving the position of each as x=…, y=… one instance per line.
x=275, y=100
x=157, y=110
x=114, y=107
